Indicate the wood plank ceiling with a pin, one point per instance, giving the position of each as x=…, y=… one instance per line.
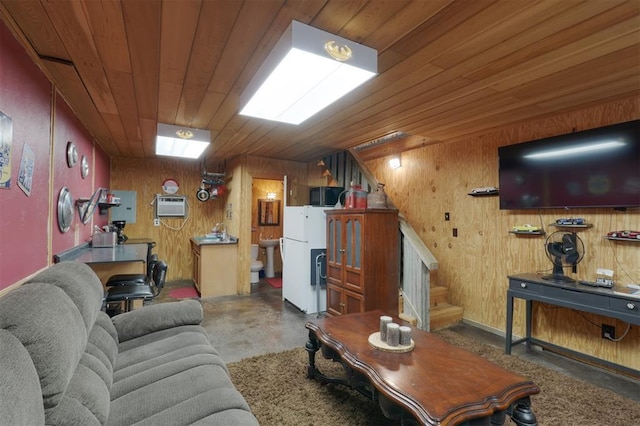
x=447, y=68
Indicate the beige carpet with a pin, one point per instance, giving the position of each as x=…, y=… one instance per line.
x=276, y=388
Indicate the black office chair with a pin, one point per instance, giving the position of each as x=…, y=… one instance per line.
x=131, y=292
x=131, y=279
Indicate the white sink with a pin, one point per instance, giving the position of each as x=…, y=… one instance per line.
x=268, y=243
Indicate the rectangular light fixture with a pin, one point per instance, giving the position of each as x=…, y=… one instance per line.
x=184, y=142
x=307, y=70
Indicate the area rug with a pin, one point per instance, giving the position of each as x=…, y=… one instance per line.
x=278, y=392
x=274, y=282
x=183, y=293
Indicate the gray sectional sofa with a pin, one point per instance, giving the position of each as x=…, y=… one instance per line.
x=64, y=361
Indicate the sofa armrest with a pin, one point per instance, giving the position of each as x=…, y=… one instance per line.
x=149, y=319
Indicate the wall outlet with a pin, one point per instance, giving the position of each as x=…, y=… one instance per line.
x=156, y=222
x=610, y=330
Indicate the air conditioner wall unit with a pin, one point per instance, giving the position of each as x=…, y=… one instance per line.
x=171, y=206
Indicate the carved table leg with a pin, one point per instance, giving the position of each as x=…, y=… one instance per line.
x=312, y=347
x=521, y=413
x=498, y=418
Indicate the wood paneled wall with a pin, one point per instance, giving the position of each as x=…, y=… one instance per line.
x=474, y=266
x=234, y=208
x=145, y=177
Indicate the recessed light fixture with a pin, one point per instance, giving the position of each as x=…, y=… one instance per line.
x=307, y=70
x=183, y=142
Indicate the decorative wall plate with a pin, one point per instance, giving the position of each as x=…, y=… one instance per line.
x=84, y=167
x=65, y=210
x=72, y=154
x=170, y=186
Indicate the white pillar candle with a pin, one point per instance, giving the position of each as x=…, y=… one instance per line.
x=393, y=334
x=384, y=320
x=405, y=335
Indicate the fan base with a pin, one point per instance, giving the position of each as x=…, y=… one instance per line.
x=561, y=278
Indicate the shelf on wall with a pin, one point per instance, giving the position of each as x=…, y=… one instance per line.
x=633, y=240
x=533, y=233
x=484, y=194
x=583, y=226
x=103, y=207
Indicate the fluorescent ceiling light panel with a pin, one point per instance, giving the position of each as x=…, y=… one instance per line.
x=307, y=70
x=184, y=142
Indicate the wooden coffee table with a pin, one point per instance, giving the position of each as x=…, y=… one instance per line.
x=434, y=384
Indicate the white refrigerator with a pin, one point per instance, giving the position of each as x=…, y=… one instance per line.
x=304, y=238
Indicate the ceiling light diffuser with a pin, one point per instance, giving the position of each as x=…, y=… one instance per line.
x=307, y=70
x=183, y=142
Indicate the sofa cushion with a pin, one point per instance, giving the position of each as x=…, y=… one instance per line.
x=86, y=400
x=50, y=327
x=80, y=283
x=181, y=398
x=20, y=393
x=157, y=317
x=169, y=353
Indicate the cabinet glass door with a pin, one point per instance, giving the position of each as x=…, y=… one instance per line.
x=353, y=243
x=353, y=253
x=334, y=250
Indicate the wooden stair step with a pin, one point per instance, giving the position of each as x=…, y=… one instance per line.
x=408, y=318
x=438, y=295
x=445, y=314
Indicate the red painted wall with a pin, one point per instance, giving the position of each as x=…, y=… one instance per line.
x=29, y=234
x=67, y=128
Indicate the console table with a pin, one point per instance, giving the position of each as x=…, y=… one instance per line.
x=597, y=300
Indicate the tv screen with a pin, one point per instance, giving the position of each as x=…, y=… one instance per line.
x=592, y=168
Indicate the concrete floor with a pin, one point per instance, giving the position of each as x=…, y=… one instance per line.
x=261, y=322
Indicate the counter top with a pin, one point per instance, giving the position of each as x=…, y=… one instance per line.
x=205, y=240
x=120, y=253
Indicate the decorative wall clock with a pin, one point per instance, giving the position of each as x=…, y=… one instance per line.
x=72, y=154
x=84, y=167
x=65, y=210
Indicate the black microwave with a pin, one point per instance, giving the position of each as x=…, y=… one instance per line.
x=324, y=195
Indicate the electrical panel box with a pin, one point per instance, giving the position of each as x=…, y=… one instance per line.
x=127, y=209
x=171, y=205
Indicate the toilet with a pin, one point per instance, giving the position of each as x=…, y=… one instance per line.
x=256, y=265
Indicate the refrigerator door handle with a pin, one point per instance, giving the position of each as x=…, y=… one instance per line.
x=282, y=248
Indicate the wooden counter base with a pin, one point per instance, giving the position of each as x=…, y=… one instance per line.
x=215, y=271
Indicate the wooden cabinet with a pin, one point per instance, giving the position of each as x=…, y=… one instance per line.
x=362, y=260
x=214, y=270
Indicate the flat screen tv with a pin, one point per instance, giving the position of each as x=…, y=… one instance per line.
x=592, y=168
